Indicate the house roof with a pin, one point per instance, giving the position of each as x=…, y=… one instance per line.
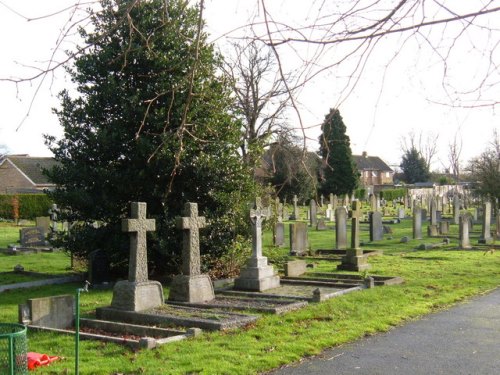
x=370, y=163
x=32, y=167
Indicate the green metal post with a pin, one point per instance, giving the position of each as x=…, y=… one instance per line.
x=77, y=325
x=11, y=355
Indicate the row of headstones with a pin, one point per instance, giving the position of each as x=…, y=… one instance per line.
x=299, y=238
x=138, y=293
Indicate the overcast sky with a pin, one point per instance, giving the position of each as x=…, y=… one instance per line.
x=388, y=102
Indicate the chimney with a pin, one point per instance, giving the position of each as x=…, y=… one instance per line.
x=364, y=154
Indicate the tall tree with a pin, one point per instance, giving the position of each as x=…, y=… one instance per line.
x=150, y=123
x=339, y=174
x=485, y=171
x=414, y=167
x=260, y=97
x=292, y=171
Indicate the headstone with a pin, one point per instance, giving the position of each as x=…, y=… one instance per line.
x=296, y=212
x=280, y=212
x=322, y=200
x=299, y=243
x=257, y=275
x=432, y=231
x=444, y=227
x=321, y=224
x=329, y=212
x=433, y=210
x=137, y=293
x=417, y=223
x=355, y=260
x=401, y=213
x=486, y=237
x=313, y=213
x=463, y=232
x=50, y=312
x=43, y=222
x=376, y=228
x=373, y=202
x=191, y=286
x=340, y=228
x=99, y=267
x=424, y=214
x=456, y=209
x=295, y=268
x=32, y=237
x=279, y=234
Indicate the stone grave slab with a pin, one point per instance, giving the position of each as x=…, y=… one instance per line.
x=170, y=315
x=32, y=237
x=262, y=305
x=279, y=234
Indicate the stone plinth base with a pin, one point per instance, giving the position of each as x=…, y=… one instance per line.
x=192, y=289
x=132, y=296
x=354, y=260
x=257, y=276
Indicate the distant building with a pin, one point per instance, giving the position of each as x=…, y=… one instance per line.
x=24, y=174
x=373, y=170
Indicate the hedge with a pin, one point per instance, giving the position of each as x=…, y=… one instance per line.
x=30, y=205
x=391, y=194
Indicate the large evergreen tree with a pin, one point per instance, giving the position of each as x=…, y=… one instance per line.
x=414, y=167
x=339, y=174
x=150, y=123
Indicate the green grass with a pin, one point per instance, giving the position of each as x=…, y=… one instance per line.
x=434, y=280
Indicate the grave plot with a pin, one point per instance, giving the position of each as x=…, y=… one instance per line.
x=309, y=292
x=57, y=314
x=263, y=305
x=348, y=280
x=168, y=315
x=257, y=275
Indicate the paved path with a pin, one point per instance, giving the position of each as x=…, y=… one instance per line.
x=462, y=340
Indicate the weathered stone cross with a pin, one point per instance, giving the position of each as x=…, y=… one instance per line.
x=257, y=216
x=190, y=224
x=138, y=225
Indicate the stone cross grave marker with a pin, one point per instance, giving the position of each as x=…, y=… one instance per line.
x=53, y=212
x=137, y=293
x=191, y=286
x=190, y=225
x=257, y=216
x=138, y=226
x=354, y=260
x=257, y=275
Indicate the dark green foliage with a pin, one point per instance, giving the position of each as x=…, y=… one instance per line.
x=360, y=193
x=135, y=134
x=390, y=194
x=339, y=173
x=30, y=206
x=485, y=172
x=292, y=171
x=414, y=167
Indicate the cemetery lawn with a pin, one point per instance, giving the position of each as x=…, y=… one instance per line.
x=434, y=279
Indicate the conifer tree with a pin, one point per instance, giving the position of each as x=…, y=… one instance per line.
x=150, y=122
x=339, y=174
